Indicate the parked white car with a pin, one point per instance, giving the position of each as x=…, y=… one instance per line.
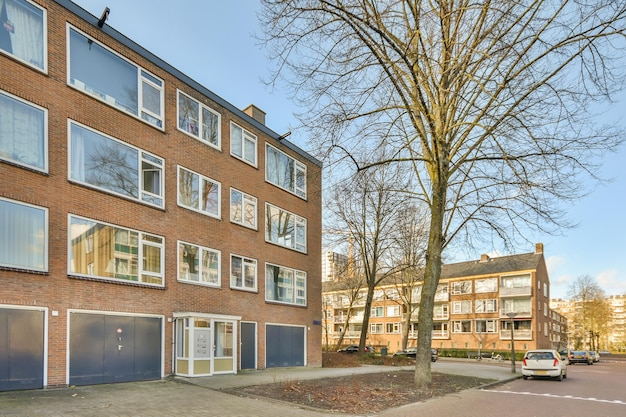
x=544, y=363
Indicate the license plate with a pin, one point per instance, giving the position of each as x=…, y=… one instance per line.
x=541, y=372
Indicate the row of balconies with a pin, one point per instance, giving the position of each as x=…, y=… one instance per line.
x=358, y=318
x=445, y=334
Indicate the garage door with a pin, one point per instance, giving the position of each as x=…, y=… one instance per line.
x=284, y=346
x=21, y=349
x=109, y=348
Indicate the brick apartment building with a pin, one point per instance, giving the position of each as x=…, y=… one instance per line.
x=472, y=307
x=147, y=226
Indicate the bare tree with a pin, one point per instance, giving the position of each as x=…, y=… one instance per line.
x=410, y=240
x=488, y=103
x=366, y=207
x=592, y=313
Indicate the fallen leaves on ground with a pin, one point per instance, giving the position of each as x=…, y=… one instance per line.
x=361, y=393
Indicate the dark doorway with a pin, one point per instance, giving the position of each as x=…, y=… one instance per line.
x=284, y=346
x=248, y=345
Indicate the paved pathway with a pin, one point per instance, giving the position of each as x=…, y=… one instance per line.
x=201, y=397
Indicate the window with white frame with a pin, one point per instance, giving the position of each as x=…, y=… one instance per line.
x=23, y=236
x=462, y=307
x=441, y=294
x=486, y=306
x=284, y=228
x=243, y=273
x=108, y=164
x=23, y=32
x=23, y=132
x=243, y=144
x=440, y=312
x=379, y=295
x=117, y=253
x=197, y=264
x=377, y=312
x=285, y=285
x=461, y=287
x=545, y=309
x=393, y=311
x=198, y=120
x=392, y=328
x=519, y=281
x=243, y=209
x=462, y=326
x=486, y=285
x=545, y=289
x=199, y=193
x=112, y=79
x=284, y=171
x=377, y=328
x=486, y=326
x=392, y=294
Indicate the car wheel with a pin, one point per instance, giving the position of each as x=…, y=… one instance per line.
x=565, y=375
x=560, y=377
x=525, y=376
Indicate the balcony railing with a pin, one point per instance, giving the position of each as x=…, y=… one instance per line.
x=440, y=334
x=517, y=334
x=516, y=291
x=441, y=316
x=518, y=313
x=442, y=297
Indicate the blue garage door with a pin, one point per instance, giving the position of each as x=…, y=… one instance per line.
x=21, y=349
x=284, y=346
x=109, y=348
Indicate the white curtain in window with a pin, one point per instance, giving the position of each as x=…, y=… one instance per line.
x=21, y=133
x=77, y=153
x=27, y=34
x=23, y=236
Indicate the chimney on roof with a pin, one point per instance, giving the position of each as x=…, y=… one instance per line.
x=484, y=258
x=256, y=113
x=539, y=248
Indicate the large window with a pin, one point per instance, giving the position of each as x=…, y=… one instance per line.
x=284, y=228
x=199, y=193
x=243, y=273
x=198, y=264
x=98, y=71
x=486, y=285
x=461, y=287
x=198, y=120
x=486, y=326
x=108, y=164
x=23, y=236
x=284, y=171
x=462, y=326
x=486, y=306
x=462, y=307
x=285, y=285
x=23, y=132
x=23, y=32
x=109, y=252
x=243, y=144
x=243, y=209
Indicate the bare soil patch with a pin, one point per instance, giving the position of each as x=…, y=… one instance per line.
x=362, y=393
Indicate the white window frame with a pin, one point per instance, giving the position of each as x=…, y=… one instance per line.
x=199, y=117
x=144, y=196
x=144, y=240
x=299, y=171
x=377, y=328
x=245, y=136
x=143, y=77
x=392, y=328
x=486, y=285
x=392, y=311
x=299, y=224
x=491, y=325
x=488, y=305
x=43, y=265
x=457, y=326
x=297, y=288
x=462, y=307
x=246, y=262
x=461, y=287
x=377, y=311
x=44, y=145
x=201, y=181
x=247, y=201
x=44, y=65
x=202, y=250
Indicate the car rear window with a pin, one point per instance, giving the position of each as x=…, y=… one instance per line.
x=540, y=355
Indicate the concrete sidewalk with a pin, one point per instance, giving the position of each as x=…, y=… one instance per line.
x=202, y=397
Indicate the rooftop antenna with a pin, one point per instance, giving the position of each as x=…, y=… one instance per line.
x=103, y=18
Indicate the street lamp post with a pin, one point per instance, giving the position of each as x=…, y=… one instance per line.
x=511, y=316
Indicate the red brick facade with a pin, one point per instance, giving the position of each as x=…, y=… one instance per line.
x=58, y=291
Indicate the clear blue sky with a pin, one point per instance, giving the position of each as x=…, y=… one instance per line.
x=211, y=41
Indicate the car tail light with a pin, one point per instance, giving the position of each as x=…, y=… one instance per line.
x=556, y=362
x=524, y=362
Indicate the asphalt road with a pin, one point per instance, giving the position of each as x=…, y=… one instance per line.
x=597, y=390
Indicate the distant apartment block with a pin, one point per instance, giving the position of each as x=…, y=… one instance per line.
x=477, y=304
